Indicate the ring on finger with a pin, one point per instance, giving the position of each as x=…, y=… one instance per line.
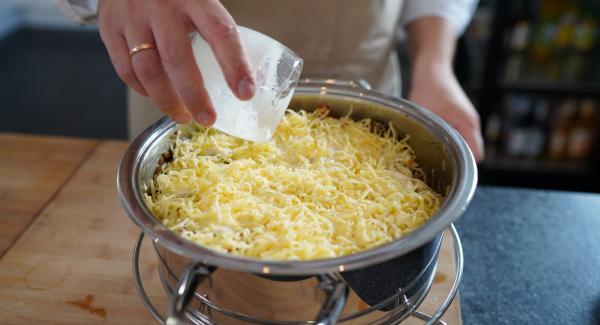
x=142, y=47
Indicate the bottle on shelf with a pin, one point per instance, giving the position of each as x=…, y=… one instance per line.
x=536, y=130
x=581, y=138
x=585, y=34
x=565, y=31
x=517, y=41
x=584, y=39
x=560, y=129
x=519, y=38
x=542, y=50
x=493, y=133
x=527, y=133
x=517, y=109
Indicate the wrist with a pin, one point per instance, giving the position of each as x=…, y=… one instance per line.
x=428, y=67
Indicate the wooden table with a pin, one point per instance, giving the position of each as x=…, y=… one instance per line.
x=66, y=243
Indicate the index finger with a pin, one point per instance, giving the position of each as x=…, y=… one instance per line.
x=178, y=60
x=220, y=31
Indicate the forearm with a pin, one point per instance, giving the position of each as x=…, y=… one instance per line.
x=431, y=44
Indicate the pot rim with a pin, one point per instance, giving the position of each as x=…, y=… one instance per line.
x=454, y=205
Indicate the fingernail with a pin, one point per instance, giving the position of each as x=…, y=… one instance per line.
x=246, y=89
x=204, y=119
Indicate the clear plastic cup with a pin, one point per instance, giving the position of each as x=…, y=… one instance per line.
x=276, y=69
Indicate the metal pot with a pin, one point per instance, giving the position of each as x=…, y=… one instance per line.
x=449, y=168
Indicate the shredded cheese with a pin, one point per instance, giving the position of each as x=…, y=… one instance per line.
x=322, y=187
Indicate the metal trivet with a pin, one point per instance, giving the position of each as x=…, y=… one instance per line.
x=405, y=307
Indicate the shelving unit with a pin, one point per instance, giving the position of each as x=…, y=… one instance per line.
x=539, y=167
x=538, y=53
x=551, y=88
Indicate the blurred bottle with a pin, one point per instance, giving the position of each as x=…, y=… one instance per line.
x=517, y=41
x=565, y=31
x=543, y=42
x=493, y=133
x=585, y=35
x=552, y=38
x=517, y=110
x=583, y=41
x=561, y=128
x=520, y=35
x=581, y=138
x=536, y=130
x=563, y=40
x=574, y=66
x=542, y=49
x=514, y=67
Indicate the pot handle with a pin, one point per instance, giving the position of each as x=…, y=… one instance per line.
x=194, y=274
x=336, y=292
x=356, y=83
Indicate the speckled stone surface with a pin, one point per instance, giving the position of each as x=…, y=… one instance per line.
x=531, y=257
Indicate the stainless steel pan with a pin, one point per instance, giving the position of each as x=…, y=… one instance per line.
x=442, y=153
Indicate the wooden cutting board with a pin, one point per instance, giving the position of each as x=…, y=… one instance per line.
x=32, y=169
x=72, y=265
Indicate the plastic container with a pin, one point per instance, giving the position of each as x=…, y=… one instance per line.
x=276, y=69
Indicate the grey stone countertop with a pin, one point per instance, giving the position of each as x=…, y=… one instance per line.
x=531, y=257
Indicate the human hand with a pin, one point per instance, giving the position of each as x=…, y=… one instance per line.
x=168, y=73
x=434, y=86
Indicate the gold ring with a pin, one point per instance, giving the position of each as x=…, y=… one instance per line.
x=141, y=47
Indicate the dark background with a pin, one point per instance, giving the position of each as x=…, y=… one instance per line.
x=60, y=82
x=530, y=67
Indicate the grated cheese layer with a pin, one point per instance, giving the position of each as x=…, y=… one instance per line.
x=321, y=187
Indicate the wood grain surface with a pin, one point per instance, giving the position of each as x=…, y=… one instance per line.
x=73, y=264
x=32, y=170
x=441, y=287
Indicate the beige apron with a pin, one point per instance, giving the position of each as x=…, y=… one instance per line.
x=345, y=39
